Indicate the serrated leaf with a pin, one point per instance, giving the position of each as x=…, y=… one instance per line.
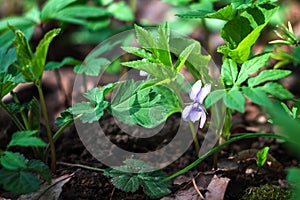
x=142, y=53
x=52, y=7
x=65, y=117
x=19, y=182
x=229, y=71
x=213, y=97
x=162, y=44
x=26, y=139
x=146, y=106
x=235, y=100
x=23, y=50
x=130, y=179
x=38, y=62
x=268, y=75
x=227, y=13
x=146, y=40
x=257, y=95
x=40, y=168
x=13, y=161
x=251, y=66
x=262, y=156
x=277, y=90
x=65, y=61
x=121, y=11
x=94, y=110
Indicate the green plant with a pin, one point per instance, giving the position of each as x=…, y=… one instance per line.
x=261, y=157
x=19, y=174
x=135, y=173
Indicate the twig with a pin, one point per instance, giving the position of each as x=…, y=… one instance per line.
x=112, y=193
x=81, y=166
x=196, y=188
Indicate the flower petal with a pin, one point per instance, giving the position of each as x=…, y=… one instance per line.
x=143, y=73
x=203, y=119
x=186, y=112
x=195, y=114
x=196, y=88
x=203, y=93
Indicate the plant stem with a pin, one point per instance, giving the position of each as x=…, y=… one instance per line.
x=24, y=118
x=81, y=166
x=195, y=139
x=12, y=116
x=236, y=138
x=60, y=131
x=49, y=133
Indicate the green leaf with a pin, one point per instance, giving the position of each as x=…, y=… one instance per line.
x=94, y=110
x=13, y=161
x=92, y=67
x=40, y=168
x=251, y=66
x=268, y=75
x=76, y=14
x=277, y=90
x=235, y=100
x=162, y=44
x=213, y=97
x=293, y=178
x=19, y=182
x=65, y=61
x=38, y=62
x=227, y=13
x=65, y=117
x=136, y=173
x=235, y=31
x=184, y=55
x=146, y=40
x=23, y=50
x=146, y=106
x=229, y=71
x=262, y=156
x=196, y=14
x=26, y=139
x=142, y=53
x=257, y=95
x=34, y=114
x=241, y=4
x=52, y=7
x=196, y=62
x=7, y=84
x=7, y=57
x=121, y=11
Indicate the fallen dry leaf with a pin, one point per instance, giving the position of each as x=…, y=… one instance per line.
x=49, y=191
x=216, y=188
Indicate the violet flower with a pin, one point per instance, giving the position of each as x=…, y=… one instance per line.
x=196, y=111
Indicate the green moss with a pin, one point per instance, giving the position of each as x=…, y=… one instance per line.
x=266, y=192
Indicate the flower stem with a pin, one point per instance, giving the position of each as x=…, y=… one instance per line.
x=217, y=148
x=194, y=134
x=49, y=133
x=12, y=116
